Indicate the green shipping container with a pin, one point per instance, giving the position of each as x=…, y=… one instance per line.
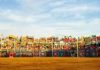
x=60, y=53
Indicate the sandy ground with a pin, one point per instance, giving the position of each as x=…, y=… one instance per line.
x=49, y=63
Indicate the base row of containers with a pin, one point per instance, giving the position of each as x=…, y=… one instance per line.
x=82, y=52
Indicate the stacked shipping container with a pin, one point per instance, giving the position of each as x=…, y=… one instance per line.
x=52, y=46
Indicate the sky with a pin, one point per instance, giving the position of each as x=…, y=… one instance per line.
x=41, y=18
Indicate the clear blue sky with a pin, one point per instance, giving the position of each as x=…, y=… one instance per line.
x=50, y=17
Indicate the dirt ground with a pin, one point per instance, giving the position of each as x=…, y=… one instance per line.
x=50, y=63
